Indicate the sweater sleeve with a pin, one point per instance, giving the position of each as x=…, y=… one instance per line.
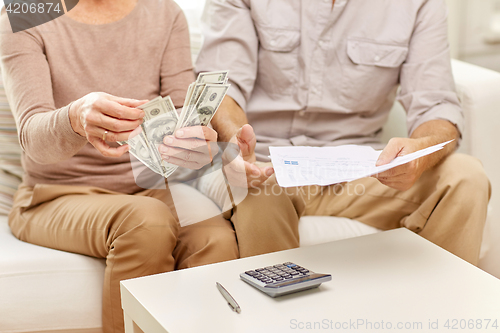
x=177, y=67
x=45, y=132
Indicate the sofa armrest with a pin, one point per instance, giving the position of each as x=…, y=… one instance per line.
x=479, y=91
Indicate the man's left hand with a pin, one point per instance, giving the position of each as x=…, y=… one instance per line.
x=190, y=147
x=404, y=176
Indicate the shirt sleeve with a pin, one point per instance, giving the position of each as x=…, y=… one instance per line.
x=177, y=66
x=427, y=85
x=230, y=42
x=45, y=133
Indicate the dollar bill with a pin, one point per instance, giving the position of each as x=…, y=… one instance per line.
x=161, y=119
x=195, y=90
x=195, y=95
x=161, y=124
x=154, y=108
x=186, y=101
x=213, y=77
x=140, y=146
x=188, y=94
x=206, y=106
x=169, y=169
x=170, y=105
x=140, y=150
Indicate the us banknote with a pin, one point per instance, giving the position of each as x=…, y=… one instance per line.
x=161, y=119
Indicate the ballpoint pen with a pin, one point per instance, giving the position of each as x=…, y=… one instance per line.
x=227, y=296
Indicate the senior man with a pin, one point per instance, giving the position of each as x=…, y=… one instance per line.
x=323, y=72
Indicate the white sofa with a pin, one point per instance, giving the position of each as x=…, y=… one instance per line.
x=52, y=291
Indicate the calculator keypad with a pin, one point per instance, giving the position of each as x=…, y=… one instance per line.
x=277, y=273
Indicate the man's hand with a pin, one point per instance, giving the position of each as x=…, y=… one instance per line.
x=428, y=134
x=190, y=147
x=404, y=176
x=239, y=160
x=103, y=118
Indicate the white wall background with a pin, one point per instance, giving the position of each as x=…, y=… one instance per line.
x=190, y=4
x=474, y=29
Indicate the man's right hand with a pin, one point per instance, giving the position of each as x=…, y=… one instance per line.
x=239, y=160
x=103, y=118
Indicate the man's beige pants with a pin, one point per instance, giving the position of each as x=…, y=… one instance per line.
x=447, y=206
x=137, y=234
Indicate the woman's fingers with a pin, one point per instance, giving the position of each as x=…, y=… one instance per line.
x=201, y=156
x=102, y=118
x=190, y=147
x=197, y=132
x=133, y=103
x=190, y=164
x=116, y=110
x=96, y=119
x=105, y=149
x=189, y=144
x=108, y=135
x=116, y=125
x=168, y=153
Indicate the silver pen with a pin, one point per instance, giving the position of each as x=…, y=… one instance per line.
x=227, y=296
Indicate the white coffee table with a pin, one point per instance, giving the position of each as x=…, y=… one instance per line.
x=394, y=281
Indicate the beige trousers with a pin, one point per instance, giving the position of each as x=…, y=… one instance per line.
x=447, y=206
x=137, y=234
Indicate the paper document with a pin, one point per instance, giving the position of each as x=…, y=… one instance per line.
x=301, y=166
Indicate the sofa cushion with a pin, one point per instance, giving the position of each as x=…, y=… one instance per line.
x=8, y=186
x=323, y=229
x=10, y=155
x=44, y=289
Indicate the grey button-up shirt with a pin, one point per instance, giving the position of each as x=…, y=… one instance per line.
x=309, y=73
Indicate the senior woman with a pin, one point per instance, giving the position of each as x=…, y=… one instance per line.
x=74, y=85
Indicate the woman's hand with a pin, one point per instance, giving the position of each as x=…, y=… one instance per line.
x=190, y=147
x=103, y=118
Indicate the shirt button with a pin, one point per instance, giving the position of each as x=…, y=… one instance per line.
x=377, y=59
x=273, y=43
x=302, y=113
x=322, y=44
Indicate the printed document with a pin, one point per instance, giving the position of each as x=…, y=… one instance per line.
x=301, y=166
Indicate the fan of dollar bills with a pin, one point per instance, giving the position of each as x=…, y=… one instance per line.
x=161, y=119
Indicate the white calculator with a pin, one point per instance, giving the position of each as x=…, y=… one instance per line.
x=283, y=279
